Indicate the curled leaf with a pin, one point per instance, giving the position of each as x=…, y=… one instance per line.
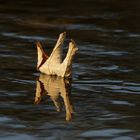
x=53, y=65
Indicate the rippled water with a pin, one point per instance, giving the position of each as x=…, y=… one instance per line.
x=104, y=102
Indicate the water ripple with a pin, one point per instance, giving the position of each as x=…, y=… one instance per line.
x=108, y=133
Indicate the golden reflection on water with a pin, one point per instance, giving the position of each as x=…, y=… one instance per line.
x=56, y=88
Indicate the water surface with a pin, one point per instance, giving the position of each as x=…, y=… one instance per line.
x=105, y=89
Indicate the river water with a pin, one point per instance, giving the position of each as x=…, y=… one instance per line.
x=103, y=100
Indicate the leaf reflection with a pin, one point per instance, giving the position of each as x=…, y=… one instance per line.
x=56, y=88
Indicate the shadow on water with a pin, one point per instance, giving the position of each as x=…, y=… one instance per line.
x=55, y=88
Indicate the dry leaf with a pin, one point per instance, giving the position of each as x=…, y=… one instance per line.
x=53, y=64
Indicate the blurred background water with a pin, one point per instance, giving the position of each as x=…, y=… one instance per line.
x=105, y=90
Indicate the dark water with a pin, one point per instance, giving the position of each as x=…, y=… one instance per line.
x=104, y=102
